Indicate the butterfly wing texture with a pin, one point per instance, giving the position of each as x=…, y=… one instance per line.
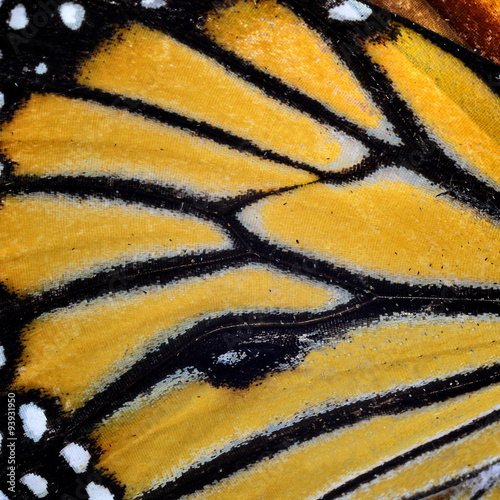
x=249, y=249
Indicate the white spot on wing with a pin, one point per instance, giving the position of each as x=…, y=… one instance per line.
x=351, y=10
x=2, y=100
x=231, y=358
x=34, y=421
x=41, y=69
x=97, y=492
x=3, y=496
x=18, y=17
x=76, y=456
x=72, y=14
x=153, y=4
x=37, y=484
x=485, y=480
x=2, y=351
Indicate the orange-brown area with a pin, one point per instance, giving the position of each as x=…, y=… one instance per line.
x=421, y=12
x=473, y=23
x=477, y=22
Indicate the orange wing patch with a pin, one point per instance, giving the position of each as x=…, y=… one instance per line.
x=143, y=64
x=277, y=41
x=392, y=225
x=53, y=135
x=394, y=354
x=455, y=105
x=53, y=239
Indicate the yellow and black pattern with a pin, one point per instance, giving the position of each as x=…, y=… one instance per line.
x=250, y=249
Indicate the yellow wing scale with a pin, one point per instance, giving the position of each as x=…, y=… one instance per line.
x=69, y=356
x=54, y=135
x=55, y=239
x=277, y=41
x=324, y=463
x=393, y=226
x=455, y=105
x=393, y=355
x=453, y=461
x=145, y=66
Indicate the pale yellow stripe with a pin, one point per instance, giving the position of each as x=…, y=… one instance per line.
x=74, y=353
x=149, y=65
x=452, y=461
x=277, y=41
x=392, y=225
x=49, y=240
x=53, y=135
x=198, y=420
x=329, y=461
x=454, y=104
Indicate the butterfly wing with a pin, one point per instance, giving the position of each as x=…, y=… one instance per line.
x=246, y=241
